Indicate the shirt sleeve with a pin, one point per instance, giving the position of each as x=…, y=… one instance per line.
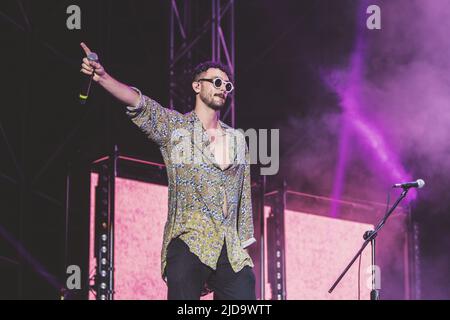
x=155, y=121
x=245, y=213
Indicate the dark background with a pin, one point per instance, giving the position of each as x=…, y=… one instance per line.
x=280, y=48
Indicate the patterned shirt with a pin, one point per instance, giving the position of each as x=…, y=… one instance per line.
x=198, y=187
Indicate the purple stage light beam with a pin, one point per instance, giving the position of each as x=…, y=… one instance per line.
x=350, y=93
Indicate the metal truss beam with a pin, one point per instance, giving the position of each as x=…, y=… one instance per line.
x=199, y=33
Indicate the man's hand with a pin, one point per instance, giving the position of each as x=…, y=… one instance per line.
x=120, y=91
x=88, y=67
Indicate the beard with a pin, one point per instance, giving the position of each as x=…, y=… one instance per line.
x=215, y=104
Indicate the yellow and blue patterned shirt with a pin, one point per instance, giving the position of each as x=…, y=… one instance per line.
x=198, y=187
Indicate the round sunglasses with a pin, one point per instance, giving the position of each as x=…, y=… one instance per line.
x=217, y=83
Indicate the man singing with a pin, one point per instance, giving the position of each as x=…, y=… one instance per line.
x=210, y=223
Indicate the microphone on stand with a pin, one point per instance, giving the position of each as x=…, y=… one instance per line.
x=86, y=86
x=406, y=185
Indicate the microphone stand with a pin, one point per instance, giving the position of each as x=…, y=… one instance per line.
x=369, y=236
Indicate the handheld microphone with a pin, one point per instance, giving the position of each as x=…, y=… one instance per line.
x=406, y=185
x=86, y=86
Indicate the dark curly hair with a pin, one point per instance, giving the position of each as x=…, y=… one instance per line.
x=204, y=66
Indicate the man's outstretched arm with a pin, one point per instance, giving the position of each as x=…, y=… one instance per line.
x=120, y=91
x=151, y=118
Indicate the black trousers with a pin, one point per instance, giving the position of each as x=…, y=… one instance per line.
x=187, y=276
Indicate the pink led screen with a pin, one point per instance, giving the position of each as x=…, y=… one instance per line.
x=140, y=215
x=317, y=248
